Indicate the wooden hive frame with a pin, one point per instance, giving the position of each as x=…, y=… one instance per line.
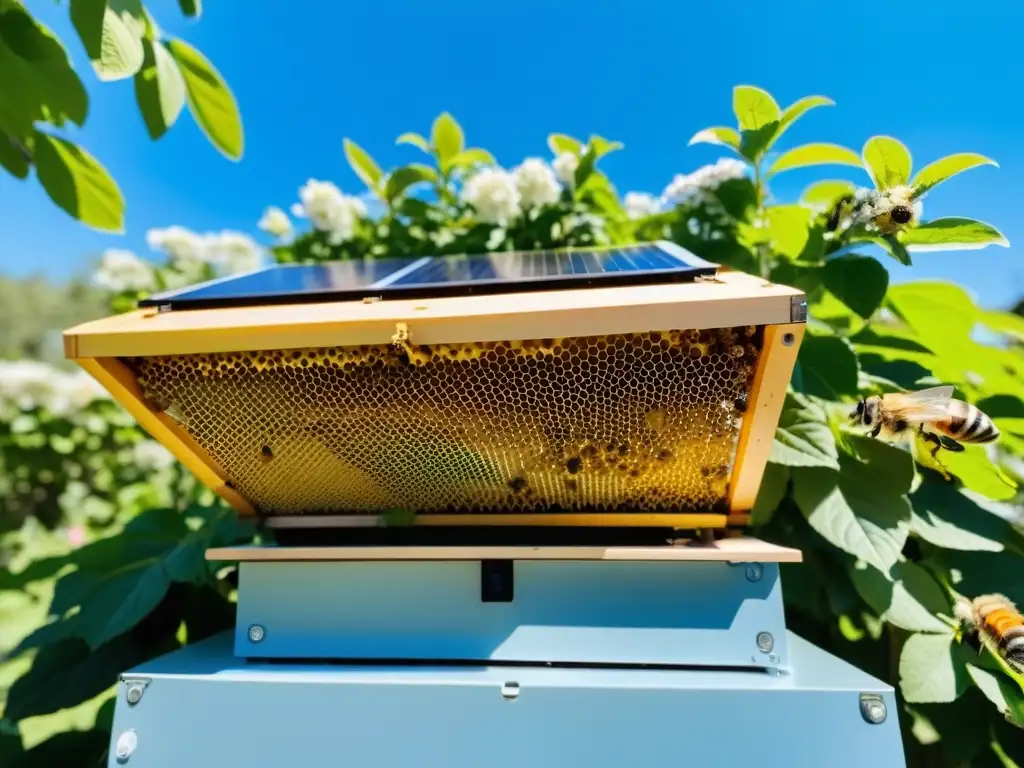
x=730, y=299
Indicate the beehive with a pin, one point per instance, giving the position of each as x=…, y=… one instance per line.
x=628, y=405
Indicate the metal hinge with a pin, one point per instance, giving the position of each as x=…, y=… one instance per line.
x=798, y=309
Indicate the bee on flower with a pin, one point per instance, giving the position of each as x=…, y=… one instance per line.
x=885, y=211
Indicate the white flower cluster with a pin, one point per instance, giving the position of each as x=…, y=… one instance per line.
x=640, y=204
x=494, y=195
x=124, y=271
x=151, y=456
x=536, y=183
x=29, y=384
x=878, y=209
x=709, y=177
x=329, y=210
x=565, y=166
x=499, y=196
x=227, y=252
x=275, y=222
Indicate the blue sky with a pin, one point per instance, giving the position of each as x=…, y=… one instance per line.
x=942, y=79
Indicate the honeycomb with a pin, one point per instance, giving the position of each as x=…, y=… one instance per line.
x=631, y=422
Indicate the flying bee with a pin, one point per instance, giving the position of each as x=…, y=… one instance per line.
x=997, y=622
x=937, y=417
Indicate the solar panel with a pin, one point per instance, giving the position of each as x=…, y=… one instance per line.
x=437, y=276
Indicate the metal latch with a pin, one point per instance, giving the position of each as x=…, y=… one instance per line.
x=798, y=309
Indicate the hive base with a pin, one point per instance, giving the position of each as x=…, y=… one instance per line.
x=506, y=655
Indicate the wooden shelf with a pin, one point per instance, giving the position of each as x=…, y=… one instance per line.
x=730, y=550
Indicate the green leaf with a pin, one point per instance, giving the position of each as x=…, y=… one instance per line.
x=67, y=673
x=447, y=139
x=363, y=165
x=948, y=519
x=73, y=747
x=112, y=32
x=854, y=511
x=860, y=282
x=952, y=233
x=930, y=670
x=406, y=176
x=814, y=154
x=977, y=472
x=774, y=483
x=908, y=597
x=788, y=229
x=797, y=109
x=560, y=143
x=209, y=99
x=826, y=193
x=415, y=139
x=39, y=83
x=12, y=158
x=121, y=601
x=887, y=161
x=601, y=146
x=191, y=8
x=78, y=184
x=803, y=437
x=397, y=518
x=893, y=467
x=720, y=135
x=472, y=156
x=754, y=107
x=1006, y=696
x=829, y=366
x=947, y=167
x=159, y=90
x=754, y=143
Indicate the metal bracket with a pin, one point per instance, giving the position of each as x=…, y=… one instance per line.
x=135, y=688
x=798, y=309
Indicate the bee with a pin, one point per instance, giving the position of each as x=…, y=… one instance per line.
x=836, y=213
x=997, y=622
x=937, y=417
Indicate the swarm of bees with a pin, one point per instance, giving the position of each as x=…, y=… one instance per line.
x=932, y=413
x=994, y=621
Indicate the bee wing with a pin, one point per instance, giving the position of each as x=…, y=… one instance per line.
x=930, y=394
x=915, y=407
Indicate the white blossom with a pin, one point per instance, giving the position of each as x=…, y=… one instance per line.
x=640, y=204
x=151, y=456
x=494, y=195
x=275, y=222
x=185, y=248
x=232, y=252
x=872, y=206
x=442, y=238
x=30, y=384
x=709, y=177
x=123, y=271
x=330, y=211
x=536, y=183
x=565, y=166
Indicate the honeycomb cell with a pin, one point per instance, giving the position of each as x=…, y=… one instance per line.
x=640, y=421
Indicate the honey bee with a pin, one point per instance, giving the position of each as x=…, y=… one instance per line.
x=937, y=417
x=996, y=620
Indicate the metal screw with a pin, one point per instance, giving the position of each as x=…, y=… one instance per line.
x=256, y=633
x=788, y=339
x=126, y=744
x=765, y=642
x=754, y=572
x=873, y=708
x=510, y=691
x=134, y=693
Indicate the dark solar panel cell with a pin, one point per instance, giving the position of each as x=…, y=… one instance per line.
x=434, y=276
